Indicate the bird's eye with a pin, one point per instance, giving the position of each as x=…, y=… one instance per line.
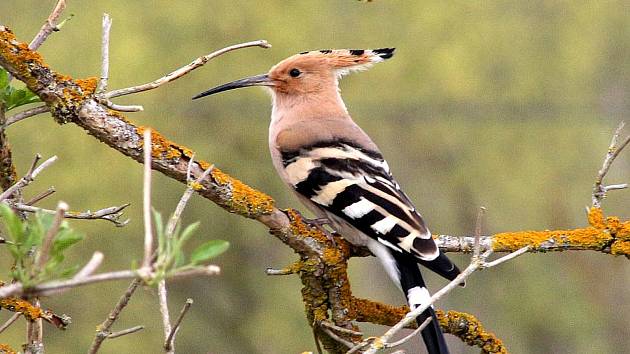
x=295, y=72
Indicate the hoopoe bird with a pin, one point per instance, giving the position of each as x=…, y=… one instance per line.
x=338, y=172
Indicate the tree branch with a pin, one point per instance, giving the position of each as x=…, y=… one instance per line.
x=322, y=268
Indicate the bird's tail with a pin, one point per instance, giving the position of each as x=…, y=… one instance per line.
x=417, y=294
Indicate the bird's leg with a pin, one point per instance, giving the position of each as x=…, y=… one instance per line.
x=319, y=223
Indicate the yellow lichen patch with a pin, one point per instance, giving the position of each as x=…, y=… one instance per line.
x=6, y=349
x=162, y=148
x=470, y=330
x=512, y=241
x=379, y=313
x=24, y=307
x=196, y=186
x=623, y=232
x=613, y=224
x=19, y=57
x=244, y=199
x=586, y=238
x=596, y=218
x=589, y=238
x=88, y=86
x=300, y=228
x=621, y=248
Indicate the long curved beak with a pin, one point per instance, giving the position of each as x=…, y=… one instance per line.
x=258, y=80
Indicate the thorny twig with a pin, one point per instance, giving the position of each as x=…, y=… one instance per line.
x=90, y=267
x=184, y=70
x=49, y=25
x=599, y=191
x=111, y=214
x=166, y=318
x=29, y=177
x=25, y=114
x=56, y=286
x=42, y=256
x=10, y=321
x=40, y=196
x=102, y=83
x=170, y=339
x=169, y=332
x=411, y=335
x=125, y=332
x=103, y=329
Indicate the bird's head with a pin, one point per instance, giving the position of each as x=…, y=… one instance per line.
x=309, y=72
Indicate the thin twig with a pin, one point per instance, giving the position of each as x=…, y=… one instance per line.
x=184, y=70
x=170, y=339
x=40, y=196
x=506, y=257
x=599, y=192
x=10, y=321
x=125, y=332
x=334, y=336
x=103, y=328
x=25, y=114
x=91, y=266
x=111, y=214
x=411, y=335
x=49, y=26
x=475, y=264
x=146, y=201
x=183, y=201
x=478, y=230
x=44, y=251
x=102, y=83
x=339, y=329
x=29, y=177
x=166, y=320
x=286, y=271
x=119, y=107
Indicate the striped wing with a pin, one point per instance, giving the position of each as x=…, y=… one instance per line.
x=356, y=185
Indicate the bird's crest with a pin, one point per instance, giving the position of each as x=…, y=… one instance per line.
x=344, y=61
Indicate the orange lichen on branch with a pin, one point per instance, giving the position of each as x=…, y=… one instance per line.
x=301, y=228
x=470, y=330
x=378, y=313
x=32, y=312
x=162, y=148
x=28, y=310
x=243, y=199
x=460, y=324
x=606, y=234
x=596, y=218
x=17, y=55
x=6, y=349
x=584, y=238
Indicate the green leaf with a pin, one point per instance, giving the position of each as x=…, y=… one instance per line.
x=208, y=250
x=13, y=224
x=66, y=273
x=65, y=238
x=20, y=97
x=188, y=231
x=4, y=79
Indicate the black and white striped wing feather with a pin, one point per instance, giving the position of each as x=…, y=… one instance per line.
x=356, y=185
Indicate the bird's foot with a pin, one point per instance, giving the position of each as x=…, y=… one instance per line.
x=319, y=223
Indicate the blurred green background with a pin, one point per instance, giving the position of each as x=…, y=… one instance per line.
x=509, y=105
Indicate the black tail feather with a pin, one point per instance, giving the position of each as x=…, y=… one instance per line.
x=414, y=288
x=432, y=334
x=443, y=266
